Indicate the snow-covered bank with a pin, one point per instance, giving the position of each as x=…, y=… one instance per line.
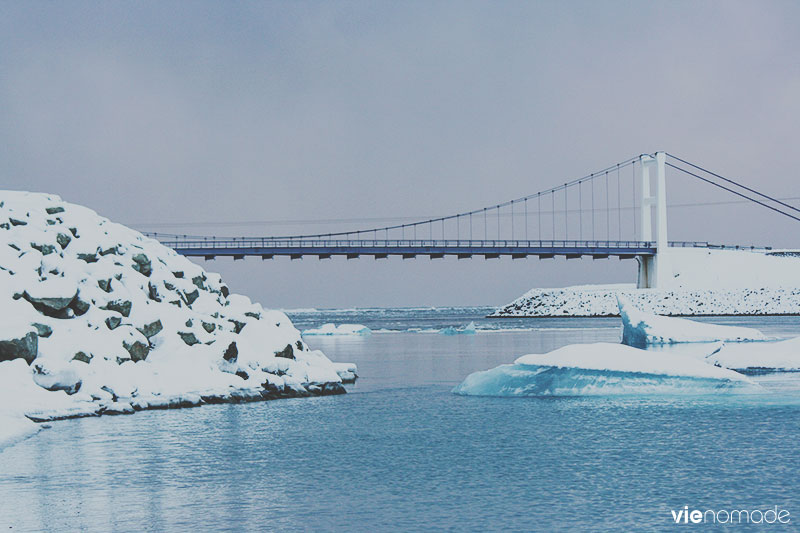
x=640, y=329
x=703, y=282
x=99, y=319
x=601, y=300
x=603, y=369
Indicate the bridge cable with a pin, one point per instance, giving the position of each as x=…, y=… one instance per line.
x=770, y=198
x=734, y=192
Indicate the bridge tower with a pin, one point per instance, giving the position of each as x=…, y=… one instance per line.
x=654, y=271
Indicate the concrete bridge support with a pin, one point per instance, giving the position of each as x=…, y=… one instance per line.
x=654, y=271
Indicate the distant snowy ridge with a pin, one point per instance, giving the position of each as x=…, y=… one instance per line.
x=98, y=319
x=357, y=330
x=640, y=329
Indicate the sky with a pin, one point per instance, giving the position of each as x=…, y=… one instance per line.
x=263, y=118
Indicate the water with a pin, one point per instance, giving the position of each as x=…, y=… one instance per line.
x=401, y=453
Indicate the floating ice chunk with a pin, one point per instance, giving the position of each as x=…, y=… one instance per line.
x=341, y=329
x=469, y=329
x=764, y=356
x=640, y=329
x=602, y=369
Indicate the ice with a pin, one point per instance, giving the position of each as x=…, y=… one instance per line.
x=640, y=329
x=770, y=356
x=341, y=329
x=469, y=329
x=603, y=369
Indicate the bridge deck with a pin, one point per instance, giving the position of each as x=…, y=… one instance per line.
x=296, y=248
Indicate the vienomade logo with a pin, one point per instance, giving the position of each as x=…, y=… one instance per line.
x=735, y=516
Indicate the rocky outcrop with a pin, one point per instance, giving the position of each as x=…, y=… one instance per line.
x=122, y=323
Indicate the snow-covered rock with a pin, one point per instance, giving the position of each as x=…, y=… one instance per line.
x=640, y=329
x=763, y=356
x=100, y=319
x=341, y=329
x=603, y=369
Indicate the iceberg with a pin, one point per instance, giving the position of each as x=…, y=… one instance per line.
x=342, y=329
x=781, y=356
x=603, y=369
x=469, y=329
x=640, y=329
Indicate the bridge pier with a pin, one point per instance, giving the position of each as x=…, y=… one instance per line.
x=654, y=271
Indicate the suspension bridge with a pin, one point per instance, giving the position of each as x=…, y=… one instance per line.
x=618, y=211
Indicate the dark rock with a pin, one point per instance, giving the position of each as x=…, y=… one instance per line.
x=63, y=240
x=54, y=210
x=142, y=264
x=189, y=323
x=104, y=284
x=79, y=305
x=242, y=374
x=169, y=286
x=25, y=346
x=113, y=322
x=251, y=314
x=152, y=292
x=231, y=353
x=224, y=290
x=46, y=249
x=188, y=337
x=50, y=305
x=114, y=250
x=178, y=303
x=287, y=353
x=122, y=307
x=17, y=222
x=74, y=232
x=209, y=326
x=198, y=282
x=237, y=326
x=178, y=274
x=190, y=297
x=89, y=258
x=151, y=329
x=329, y=389
x=82, y=356
x=299, y=345
x=138, y=350
x=43, y=330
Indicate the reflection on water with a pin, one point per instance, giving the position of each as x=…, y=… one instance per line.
x=403, y=453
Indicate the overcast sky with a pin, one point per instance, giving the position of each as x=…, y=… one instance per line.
x=234, y=118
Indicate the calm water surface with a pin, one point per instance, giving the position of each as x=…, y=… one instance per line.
x=401, y=453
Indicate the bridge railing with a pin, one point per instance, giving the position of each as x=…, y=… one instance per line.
x=266, y=243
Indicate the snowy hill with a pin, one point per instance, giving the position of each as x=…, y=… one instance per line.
x=98, y=319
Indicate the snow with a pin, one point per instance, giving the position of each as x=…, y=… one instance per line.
x=640, y=329
x=341, y=329
x=122, y=323
x=779, y=356
x=704, y=282
x=603, y=369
